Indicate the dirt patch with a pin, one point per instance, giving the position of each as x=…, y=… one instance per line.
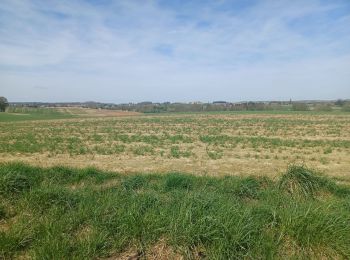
x=159, y=251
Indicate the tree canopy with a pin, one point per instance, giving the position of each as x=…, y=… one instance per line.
x=3, y=104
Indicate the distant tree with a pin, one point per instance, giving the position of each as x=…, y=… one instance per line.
x=3, y=104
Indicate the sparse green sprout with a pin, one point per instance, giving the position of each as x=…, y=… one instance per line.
x=328, y=150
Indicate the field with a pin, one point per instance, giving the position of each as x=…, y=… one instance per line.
x=97, y=184
x=204, y=143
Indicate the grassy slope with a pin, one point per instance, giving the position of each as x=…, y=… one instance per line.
x=66, y=213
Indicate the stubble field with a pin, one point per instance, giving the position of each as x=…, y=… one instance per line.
x=205, y=144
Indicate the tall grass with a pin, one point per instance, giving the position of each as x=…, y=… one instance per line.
x=300, y=181
x=65, y=213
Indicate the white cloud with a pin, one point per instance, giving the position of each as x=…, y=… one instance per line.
x=79, y=51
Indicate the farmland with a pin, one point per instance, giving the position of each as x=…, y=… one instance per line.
x=203, y=143
x=96, y=184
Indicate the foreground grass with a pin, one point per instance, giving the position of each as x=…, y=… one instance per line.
x=64, y=213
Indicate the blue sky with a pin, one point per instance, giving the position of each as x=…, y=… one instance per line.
x=180, y=50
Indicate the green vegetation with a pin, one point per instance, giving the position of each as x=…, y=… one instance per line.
x=66, y=213
x=26, y=113
x=323, y=107
x=300, y=181
x=174, y=134
x=3, y=104
x=346, y=108
x=222, y=106
x=300, y=107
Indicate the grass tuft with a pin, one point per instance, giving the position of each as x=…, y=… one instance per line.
x=300, y=181
x=135, y=182
x=178, y=181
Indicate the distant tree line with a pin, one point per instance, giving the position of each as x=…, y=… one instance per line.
x=199, y=107
x=166, y=107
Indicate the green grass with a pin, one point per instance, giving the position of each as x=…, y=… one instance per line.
x=22, y=114
x=66, y=213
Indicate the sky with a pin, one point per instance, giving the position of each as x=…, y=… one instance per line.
x=174, y=50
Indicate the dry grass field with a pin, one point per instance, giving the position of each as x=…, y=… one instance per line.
x=204, y=144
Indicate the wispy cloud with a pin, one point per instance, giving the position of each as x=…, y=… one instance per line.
x=174, y=50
